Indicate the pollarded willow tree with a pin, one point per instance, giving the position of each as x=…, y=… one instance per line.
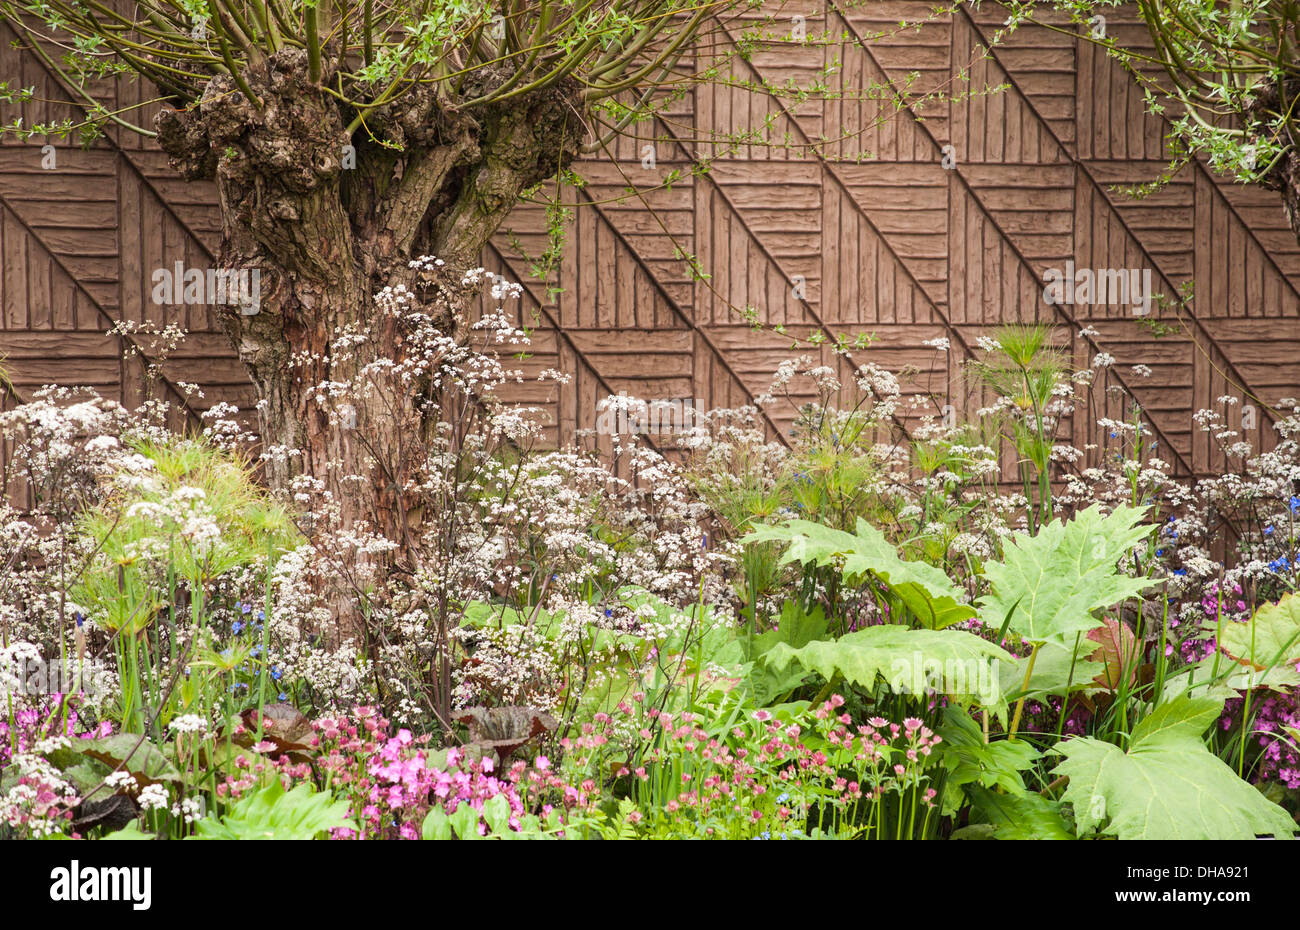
x=348, y=137
x=1226, y=73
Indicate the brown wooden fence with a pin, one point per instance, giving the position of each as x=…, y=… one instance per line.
x=946, y=229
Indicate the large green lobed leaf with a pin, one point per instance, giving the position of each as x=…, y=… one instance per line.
x=1270, y=638
x=1168, y=785
x=925, y=590
x=1051, y=583
x=952, y=662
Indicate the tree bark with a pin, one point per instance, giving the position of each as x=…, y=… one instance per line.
x=326, y=238
x=1284, y=176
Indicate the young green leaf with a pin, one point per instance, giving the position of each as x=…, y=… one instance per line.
x=496, y=811
x=131, y=831
x=796, y=627
x=273, y=814
x=437, y=825
x=465, y=821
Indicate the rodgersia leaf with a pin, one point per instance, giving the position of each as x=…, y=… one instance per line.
x=910, y=661
x=925, y=590
x=1168, y=785
x=1270, y=638
x=1217, y=677
x=796, y=627
x=1051, y=583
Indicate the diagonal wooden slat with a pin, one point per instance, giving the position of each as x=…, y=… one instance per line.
x=1085, y=172
x=1181, y=461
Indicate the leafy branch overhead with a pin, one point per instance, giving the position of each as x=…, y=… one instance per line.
x=1223, y=77
x=367, y=55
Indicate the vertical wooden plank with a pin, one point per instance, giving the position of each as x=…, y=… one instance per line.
x=625, y=289
x=832, y=273
x=38, y=292
x=593, y=250
x=738, y=268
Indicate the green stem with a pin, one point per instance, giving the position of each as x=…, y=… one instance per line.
x=266, y=638
x=1024, y=693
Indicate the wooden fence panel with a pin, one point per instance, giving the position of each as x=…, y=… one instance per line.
x=912, y=202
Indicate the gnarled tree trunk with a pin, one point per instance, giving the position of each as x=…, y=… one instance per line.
x=326, y=237
x=1284, y=175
